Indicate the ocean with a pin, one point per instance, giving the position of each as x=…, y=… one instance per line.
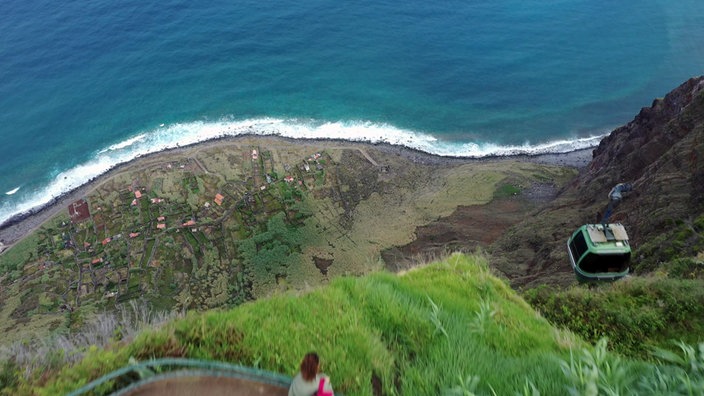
x=86, y=85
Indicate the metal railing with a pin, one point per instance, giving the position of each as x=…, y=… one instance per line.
x=140, y=374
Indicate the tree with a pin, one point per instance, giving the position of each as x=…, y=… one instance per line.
x=269, y=253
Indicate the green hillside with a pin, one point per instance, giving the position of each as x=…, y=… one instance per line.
x=450, y=327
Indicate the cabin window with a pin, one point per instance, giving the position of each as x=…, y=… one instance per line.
x=578, y=246
x=595, y=263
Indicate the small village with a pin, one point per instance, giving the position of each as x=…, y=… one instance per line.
x=221, y=224
x=168, y=232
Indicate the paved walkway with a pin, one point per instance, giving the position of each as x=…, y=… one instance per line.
x=367, y=156
x=206, y=385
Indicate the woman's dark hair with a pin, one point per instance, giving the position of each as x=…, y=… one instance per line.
x=309, y=366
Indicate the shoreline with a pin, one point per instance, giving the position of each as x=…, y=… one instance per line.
x=20, y=225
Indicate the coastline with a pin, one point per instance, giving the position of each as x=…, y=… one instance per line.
x=17, y=227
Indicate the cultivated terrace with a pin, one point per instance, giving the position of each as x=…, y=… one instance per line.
x=226, y=222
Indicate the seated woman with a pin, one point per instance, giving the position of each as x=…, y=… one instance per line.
x=310, y=381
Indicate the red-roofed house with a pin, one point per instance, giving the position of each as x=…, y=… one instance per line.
x=134, y=234
x=78, y=211
x=189, y=223
x=218, y=199
x=86, y=245
x=137, y=194
x=157, y=200
x=161, y=226
x=97, y=260
x=134, y=202
x=160, y=218
x=106, y=241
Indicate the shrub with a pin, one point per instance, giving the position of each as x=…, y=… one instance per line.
x=9, y=374
x=633, y=313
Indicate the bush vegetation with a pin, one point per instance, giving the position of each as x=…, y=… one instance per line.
x=680, y=239
x=267, y=254
x=636, y=313
x=11, y=261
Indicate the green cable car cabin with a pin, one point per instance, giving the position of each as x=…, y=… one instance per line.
x=599, y=252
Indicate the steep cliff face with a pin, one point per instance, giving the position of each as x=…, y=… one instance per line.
x=661, y=152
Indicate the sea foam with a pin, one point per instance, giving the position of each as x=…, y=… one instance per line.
x=126, y=143
x=182, y=134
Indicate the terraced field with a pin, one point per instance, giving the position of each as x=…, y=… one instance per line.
x=223, y=223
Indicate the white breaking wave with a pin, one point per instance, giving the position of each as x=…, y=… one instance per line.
x=126, y=143
x=183, y=134
x=14, y=190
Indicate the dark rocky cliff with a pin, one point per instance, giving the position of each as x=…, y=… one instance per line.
x=662, y=153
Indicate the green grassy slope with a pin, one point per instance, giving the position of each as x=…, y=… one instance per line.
x=423, y=331
x=448, y=328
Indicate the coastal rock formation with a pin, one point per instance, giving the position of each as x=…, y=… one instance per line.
x=662, y=153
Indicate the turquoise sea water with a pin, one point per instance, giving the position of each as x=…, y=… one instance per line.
x=85, y=85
